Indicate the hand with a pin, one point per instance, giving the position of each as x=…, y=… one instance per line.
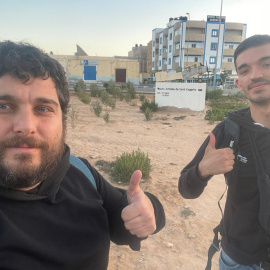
x=215, y=161
x=138, y=216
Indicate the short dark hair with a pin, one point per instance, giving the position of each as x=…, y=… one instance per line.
x=24, y=61
x=253, y=41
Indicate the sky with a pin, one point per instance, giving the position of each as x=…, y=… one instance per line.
x=109, y=28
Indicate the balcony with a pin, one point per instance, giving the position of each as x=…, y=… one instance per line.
x=165, y=42
x=228, y=52
x=232, y=38
x=177, y=25
x=176, y=52
x=193, y=36
x=175, y=65
x=164, y=67
x=164, y=55
x=228, y=65
x=165, y=32
x=194, y=51
x=176, y=39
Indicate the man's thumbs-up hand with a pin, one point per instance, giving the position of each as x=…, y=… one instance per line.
x=138, y=216
x=215, y=161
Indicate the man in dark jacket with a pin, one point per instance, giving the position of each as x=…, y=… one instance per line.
x=51, y=215
x=245, y=242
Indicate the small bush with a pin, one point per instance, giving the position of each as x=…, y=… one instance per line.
x=79, y=86
x=104, y=97
x=148, y=114
x=73, y=113
x=94, y=90
x=127, y=97
x=97, y=108
x=127, y=163
x=151, y=105
x=112, y=103
x=142, y=97
x=131, y=90
x=106, y=117
x=213, y=94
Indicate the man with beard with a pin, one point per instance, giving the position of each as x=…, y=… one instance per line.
x=245, y=238
x=51, y=215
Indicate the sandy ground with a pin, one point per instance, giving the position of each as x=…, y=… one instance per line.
x=170, y=143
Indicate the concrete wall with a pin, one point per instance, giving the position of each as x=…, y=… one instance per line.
x=181, y=95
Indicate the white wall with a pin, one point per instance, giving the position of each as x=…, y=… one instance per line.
x=181, y=95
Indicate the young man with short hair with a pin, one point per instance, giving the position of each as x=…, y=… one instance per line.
x=245, y=243
x=51, y=215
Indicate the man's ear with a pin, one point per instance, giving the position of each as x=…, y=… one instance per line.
x=238, y=84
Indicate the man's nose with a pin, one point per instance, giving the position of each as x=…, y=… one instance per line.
x=25, y=122
x=256, y=73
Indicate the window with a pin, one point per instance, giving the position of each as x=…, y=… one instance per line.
x=153, y=64
x=153, y=54
x=170, y=61
x=159, y=63
x=170, y=48
x=230, y=46
x=160, y=51
x=213, y=46
x=212, y=60
x=196, y=59
x=170, y=36
x=153, y=43
x=230, y=59
x=160, y=40
x=193, y=45
x=214, y=32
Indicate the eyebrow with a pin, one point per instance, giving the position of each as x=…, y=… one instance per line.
x=260, y=60
x=39, y=100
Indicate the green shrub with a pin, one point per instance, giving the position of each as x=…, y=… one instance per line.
x=80, y=90
x=104, y=97
x=85, y=99
x=142, y=97
x=213, y=94
x=151, y=105
x=97, y=108
x=94, y=90
x=106, y=117
x=112, y=103
x=148, y=114
x=127, y=97
x=127, y=163
x=131, y=90
x=106, y=85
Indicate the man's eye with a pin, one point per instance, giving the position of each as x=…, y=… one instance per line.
x=43, y=109
x=243, y=72
x=266, y=65
x=4, y=107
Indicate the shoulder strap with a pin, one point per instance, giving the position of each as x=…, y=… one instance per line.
x=76, y=162
x=233, y=130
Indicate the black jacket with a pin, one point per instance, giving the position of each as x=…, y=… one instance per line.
x=243, y=238
x=65, y=223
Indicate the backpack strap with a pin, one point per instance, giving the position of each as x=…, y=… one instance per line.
x=76, y=162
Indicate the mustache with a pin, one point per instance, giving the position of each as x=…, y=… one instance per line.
x=257, y=81
x=19, y=141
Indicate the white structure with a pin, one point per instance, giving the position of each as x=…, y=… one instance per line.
x=181, y=95
x=186, y=42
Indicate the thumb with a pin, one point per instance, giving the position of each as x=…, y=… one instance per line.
x=212, y=141
x=134, y=184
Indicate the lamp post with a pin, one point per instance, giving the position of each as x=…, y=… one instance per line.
x=187, y=38
x=215, y=70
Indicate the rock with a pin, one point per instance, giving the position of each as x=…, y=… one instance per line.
x=169, y=245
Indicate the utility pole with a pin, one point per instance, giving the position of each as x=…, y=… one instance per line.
x=215, y=70
x=187, y=37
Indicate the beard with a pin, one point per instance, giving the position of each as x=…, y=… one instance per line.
x=26, y=174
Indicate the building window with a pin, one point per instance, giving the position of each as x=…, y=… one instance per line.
x=159, y=63
x=214, y=32
x=160, y=51
x=153, y=54
x=160, y=40
x=153, y=43
x=170, y=36
x=170, y=61
x=153, y=64
x=230, y=46
x=230, y=59
x=196, y=59
x=213, y=46
x=170, y=48
x=212, y=60
x=193, y=45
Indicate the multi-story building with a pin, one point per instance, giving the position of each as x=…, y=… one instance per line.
x=186, y=42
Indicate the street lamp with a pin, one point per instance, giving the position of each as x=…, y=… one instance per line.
x=187, y=37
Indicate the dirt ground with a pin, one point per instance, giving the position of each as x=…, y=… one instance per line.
x=171, y=139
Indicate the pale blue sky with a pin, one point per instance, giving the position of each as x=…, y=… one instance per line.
x=113, y=27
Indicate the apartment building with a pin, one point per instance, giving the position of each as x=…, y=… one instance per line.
x=189, y=42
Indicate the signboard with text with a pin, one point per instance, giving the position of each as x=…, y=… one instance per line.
x=211, y=18
x=181, y=95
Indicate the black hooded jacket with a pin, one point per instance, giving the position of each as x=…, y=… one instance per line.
x=243, y=238
x=65, y=223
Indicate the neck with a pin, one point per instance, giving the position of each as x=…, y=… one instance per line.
x=260, y=114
